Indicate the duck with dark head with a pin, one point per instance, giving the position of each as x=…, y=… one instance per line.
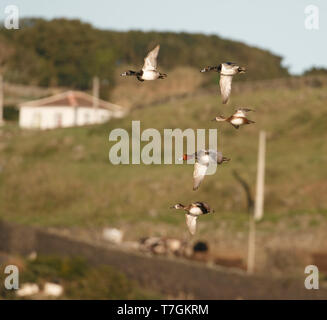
x=149, y=70
x=227, y=70
x=193, y=211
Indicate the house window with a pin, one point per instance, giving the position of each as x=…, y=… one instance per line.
x=58, y=119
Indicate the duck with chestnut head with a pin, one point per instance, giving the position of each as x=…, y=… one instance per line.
x=239, y=118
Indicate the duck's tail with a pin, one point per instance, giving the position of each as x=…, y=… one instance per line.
x=223, y=159
x=162, y=76
x=241, y=69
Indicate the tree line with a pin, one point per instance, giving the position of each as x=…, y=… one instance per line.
x=63, y=52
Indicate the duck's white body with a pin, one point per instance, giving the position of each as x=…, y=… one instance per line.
x=229, y=69
x=204, y=159
x=195, y=211
x=237, y=121
x=150, y=75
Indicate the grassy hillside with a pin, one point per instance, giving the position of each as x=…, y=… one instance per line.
x=64, y=178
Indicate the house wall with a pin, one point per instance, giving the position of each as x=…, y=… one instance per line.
x=119, y=113
x=90, y=115
x=56, y=117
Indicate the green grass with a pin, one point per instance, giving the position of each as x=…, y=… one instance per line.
x=64, y=178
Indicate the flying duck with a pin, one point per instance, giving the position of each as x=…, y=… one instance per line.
x=227, y=70
x=149, y=70
x=237, y=119
x=203, y=158
x=192, y=212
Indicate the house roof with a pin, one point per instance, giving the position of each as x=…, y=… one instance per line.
x=72, y=99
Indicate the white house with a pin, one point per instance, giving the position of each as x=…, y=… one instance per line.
x=67, y=109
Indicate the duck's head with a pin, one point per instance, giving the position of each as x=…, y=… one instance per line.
x=177, y=206
x=219, y=118
x=185, y=157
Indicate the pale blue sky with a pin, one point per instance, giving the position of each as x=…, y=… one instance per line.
x=277, y=25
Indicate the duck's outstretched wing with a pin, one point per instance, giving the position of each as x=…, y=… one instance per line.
x=191, y=223
x=150, y=61
x=198, y=174
x=203, y=206
x=242, y=112
x=225, y=83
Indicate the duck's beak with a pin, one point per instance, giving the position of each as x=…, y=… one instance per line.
x=172, y=207
x=213, y=119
